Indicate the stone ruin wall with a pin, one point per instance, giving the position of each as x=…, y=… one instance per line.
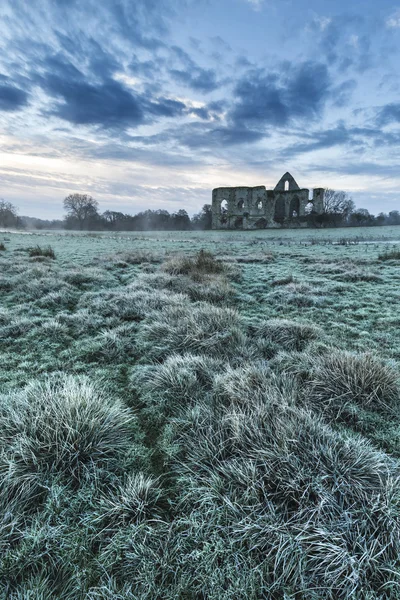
x=259, y=208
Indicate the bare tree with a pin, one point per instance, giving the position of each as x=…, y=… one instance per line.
x=81, y=210
x=338, y=202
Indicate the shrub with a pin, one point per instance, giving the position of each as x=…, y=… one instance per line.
x=47, y=252
x=2, y=247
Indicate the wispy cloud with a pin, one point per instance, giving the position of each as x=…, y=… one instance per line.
x=393, y=22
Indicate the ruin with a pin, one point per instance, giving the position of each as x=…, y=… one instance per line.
x=258, y=208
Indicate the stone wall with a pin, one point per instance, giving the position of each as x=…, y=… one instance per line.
x=259, y=208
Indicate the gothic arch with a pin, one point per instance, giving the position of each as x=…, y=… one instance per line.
x=279, y=213
x=286, y=183
x=294, y=209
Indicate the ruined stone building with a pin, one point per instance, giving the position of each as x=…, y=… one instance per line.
x=259, y=208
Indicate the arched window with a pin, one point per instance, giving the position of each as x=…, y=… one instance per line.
x=224, y=212
x=294, y=208
x=224, y=207
x=286, y=186
x=240, y=204
x=309, y=208
x=259, y=205
x=279, y=214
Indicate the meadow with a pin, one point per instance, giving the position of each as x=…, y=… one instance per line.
x=200, y=415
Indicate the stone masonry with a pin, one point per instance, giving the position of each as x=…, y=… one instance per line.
x=259, y=208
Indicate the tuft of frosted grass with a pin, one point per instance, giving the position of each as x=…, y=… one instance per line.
x=212, y=288
x=131, y=304
x=342, y=378
x=199, y=328
x=139, y=498
x=288, y=335
x=85, y=278
x=110, y=345
x=45, y=251
x=65, y=426
x=202, y=263
x=165, y=389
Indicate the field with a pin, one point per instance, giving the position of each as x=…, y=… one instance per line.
x=200, y=415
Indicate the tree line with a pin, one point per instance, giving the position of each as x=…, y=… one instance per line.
x=82, y=213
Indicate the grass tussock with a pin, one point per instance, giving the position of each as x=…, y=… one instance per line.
x=199, y=328
x=283, y=281
x=63, y=426
x=203, y=263
x=390, y=255
x=286, y=334
x=343, y=379
x=46, y=252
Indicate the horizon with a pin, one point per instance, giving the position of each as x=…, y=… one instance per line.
x=153, y=103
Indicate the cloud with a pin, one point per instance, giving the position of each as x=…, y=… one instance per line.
x=358, y=139
x=108, y=104
x=203, y=80
x=344, y=40
x=393, y=22
x=389, y=114
x=11, y=98
x=191, y=74
x=256, y=4
x=264, y=98
x=202, y=136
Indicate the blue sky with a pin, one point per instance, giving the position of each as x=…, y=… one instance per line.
x=152, y=103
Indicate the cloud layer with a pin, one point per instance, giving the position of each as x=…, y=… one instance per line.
x=195, y=95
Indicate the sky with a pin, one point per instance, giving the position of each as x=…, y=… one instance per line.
x=153, y=103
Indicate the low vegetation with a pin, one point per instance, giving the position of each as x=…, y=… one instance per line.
x=47, y=252
x=174, y=425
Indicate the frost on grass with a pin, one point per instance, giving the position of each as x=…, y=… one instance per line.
x=288, y=335
x=199, y=328
x=344, y=379
x=315, y=510
x=63, y=426
x=246, y=478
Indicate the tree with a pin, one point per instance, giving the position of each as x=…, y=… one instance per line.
x=337, y=208
x=203, y=219
x=361, y=218
x=180, y=220
x=81, y=211
x=338, y=202
x=8, y=215
x=394, y=217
